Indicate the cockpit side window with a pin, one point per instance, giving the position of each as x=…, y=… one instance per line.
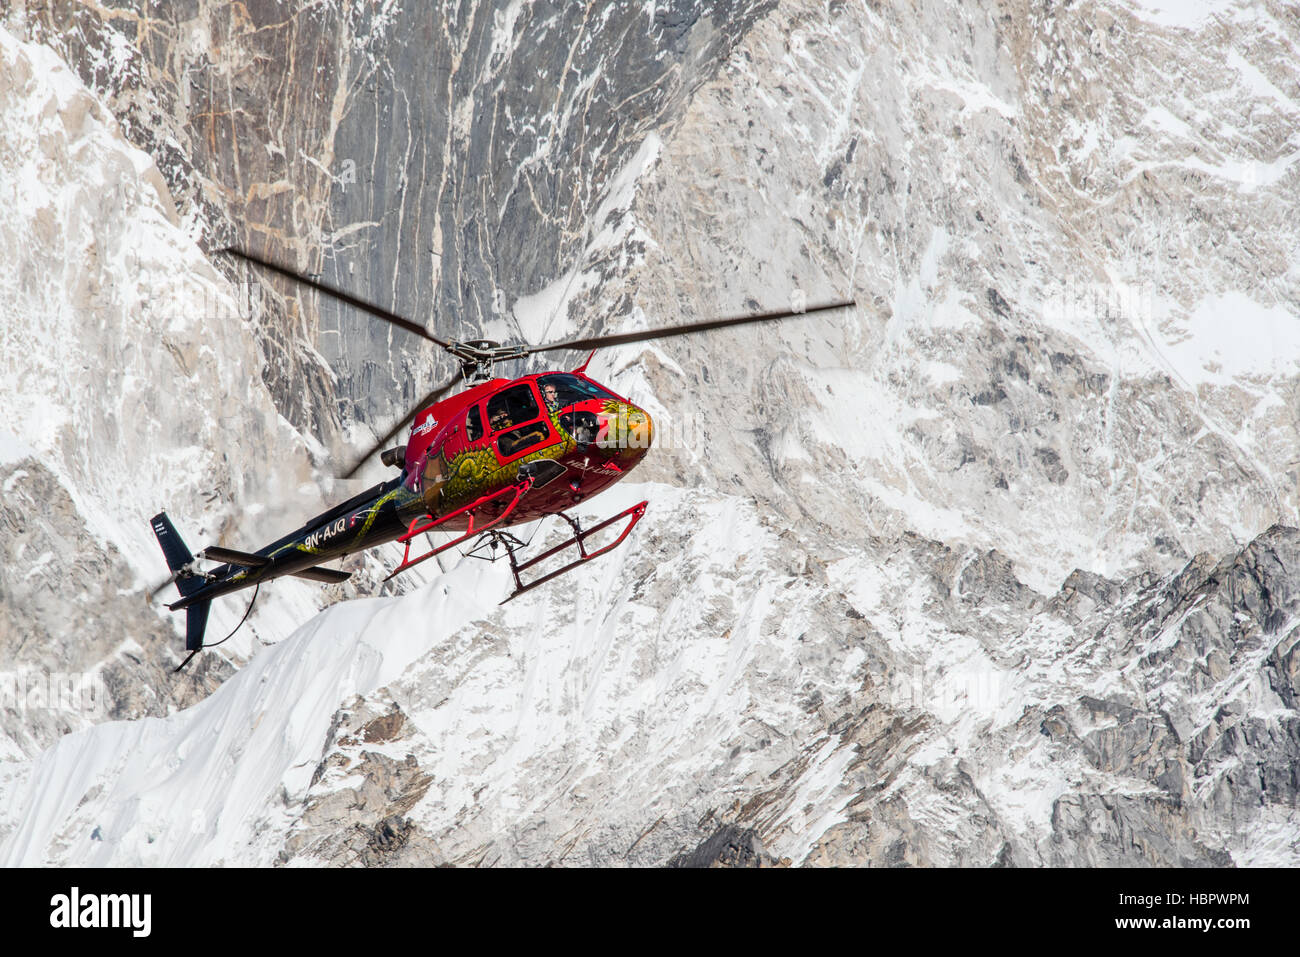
x=561, y=390
x=511, y=407
x=473, y=424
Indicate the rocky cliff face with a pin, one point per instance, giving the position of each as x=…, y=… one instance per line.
x=945, y=714
x=447, y=161
x=993, y=569
x=119, y=374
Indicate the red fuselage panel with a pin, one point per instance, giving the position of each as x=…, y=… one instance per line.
x=573, y=436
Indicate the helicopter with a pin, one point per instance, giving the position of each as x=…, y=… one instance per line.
x=504, y=452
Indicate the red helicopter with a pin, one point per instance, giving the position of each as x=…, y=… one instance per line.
x=502, y=453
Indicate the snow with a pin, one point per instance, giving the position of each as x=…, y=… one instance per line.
x=1181, y=14
x=1230, y=336
x=126, y=367
x=13, y=449
x=974, y=96
x=1247, y=175
x=673, y=676
x=197, y=787
x=510, y=715
x=1161, y=118
x=503, y=30
x=544, y=316
x=1258, y=84
x=934, y=252
x=619, y=196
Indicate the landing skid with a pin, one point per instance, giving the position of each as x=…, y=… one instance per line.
x=494, y=539
x=499, y=505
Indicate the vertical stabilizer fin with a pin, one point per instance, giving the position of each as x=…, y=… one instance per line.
x=178, y=557
x=196, y=623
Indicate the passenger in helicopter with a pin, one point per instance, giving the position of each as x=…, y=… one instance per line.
x=521, y=438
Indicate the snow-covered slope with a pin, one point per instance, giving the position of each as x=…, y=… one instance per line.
x=217, y=783
x=917, y=706
x=130, y=384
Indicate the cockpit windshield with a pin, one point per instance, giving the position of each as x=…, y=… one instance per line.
x=561, y=390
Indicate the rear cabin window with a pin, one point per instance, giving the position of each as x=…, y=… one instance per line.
x=473, y=424
x=510, y=408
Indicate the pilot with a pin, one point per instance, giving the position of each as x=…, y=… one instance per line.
x=552, y=396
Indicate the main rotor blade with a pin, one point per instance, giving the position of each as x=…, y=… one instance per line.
x=339, y=294
x=424, y=403
x=663, y=332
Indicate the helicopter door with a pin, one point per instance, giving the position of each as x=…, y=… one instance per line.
x=514, y=416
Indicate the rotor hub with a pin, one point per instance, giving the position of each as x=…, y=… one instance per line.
x=478, y=356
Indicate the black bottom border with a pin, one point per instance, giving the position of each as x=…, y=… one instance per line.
x=333, y=907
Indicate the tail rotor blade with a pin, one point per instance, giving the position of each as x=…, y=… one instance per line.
x=169, y=580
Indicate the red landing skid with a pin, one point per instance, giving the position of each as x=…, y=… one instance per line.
x=494, y=502
x=503, y=504
x=579, y=538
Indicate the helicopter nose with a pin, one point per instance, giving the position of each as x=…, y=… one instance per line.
x=626, y=430
x=640, y=429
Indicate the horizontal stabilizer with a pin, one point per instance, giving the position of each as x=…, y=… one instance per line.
x=233, y=557
x=329, y=576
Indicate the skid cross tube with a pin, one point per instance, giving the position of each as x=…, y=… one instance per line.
x=579, y=538
x=427, y=523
